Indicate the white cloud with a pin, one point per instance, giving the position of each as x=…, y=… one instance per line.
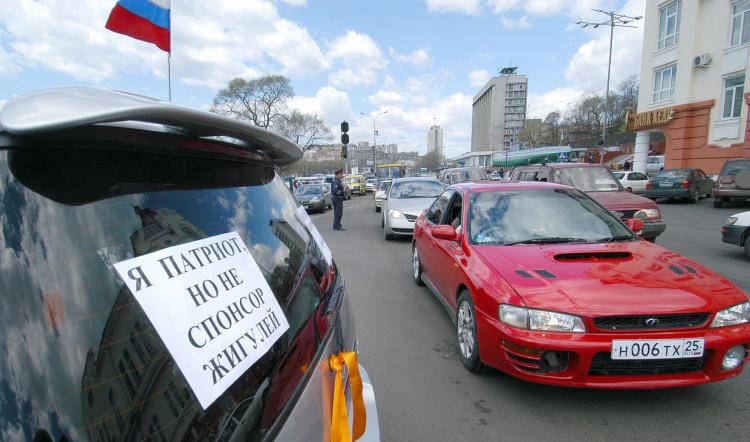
x=471, y=7
x=521, y=23
x=558, y=99
x=580, y=9
x=329, y=103
x=294, y=2
x=383, y=97
x=360, y=58
x=7, y=64
x=479, y=77
x=419, y=57
x=210, y=45
x=587, y=69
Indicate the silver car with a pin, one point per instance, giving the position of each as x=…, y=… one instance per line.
x=406, y=200
x=230, y=338
x=314, y=196
x=381, y=194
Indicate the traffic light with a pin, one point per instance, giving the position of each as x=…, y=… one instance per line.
x=344, y=138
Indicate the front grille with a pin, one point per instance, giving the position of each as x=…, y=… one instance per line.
x=395, y=230
x=411, y=218
x=627, y=214
x=644, y=322
x=603, y=365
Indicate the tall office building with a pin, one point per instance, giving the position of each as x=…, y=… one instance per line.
x=498, y=112
x=435, y=139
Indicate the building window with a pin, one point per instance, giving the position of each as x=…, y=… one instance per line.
x=669, y=25
x=664, y=82
x=740, y=23
x=734, y=88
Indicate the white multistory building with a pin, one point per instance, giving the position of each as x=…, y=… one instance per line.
x=694, y=82
x=435, y=139
x=498, y=112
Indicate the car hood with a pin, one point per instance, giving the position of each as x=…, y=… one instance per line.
x=411, y=206
x=621, y=200
x=624, y=278
x=308, y=197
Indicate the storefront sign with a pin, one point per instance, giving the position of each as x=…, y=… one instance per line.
x=212, y=307
x=650, y=118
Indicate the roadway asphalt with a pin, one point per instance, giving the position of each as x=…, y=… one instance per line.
x=407, y=343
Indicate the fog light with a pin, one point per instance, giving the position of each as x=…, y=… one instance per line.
x=554, y=361
x=733, y=357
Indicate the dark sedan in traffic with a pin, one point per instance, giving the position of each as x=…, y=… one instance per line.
x=690, y=184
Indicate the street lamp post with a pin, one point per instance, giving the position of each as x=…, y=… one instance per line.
x=374, y=135
x=614, y=21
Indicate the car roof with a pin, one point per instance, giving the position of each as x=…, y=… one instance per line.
x=59, y=109
x=483, y=186
x=415, y=178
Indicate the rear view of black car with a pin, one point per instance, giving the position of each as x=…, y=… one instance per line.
x=158, y=280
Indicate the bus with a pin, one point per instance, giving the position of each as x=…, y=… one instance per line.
x=390, y=171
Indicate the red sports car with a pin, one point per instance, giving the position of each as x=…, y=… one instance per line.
x=546, y=285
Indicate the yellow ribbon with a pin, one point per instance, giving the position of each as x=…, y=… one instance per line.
x=340, y=417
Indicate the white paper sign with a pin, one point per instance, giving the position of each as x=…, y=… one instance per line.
x=305, y=219
x=212, y=307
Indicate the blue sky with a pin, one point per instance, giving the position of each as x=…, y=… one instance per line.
x=420, y=60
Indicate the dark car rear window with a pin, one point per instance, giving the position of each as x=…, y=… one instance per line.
x=80, y=357
x=732, y=168
x=673, y=173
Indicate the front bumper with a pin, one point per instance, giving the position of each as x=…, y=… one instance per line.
x=732, y=234
x=499, y=343
x=652, y=229
x=401, y=226
x=318, y=205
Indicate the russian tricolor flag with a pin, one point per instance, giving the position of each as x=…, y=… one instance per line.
x=146, y=20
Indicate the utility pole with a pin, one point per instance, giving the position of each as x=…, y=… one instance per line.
x=374, y=137
x=614, y=20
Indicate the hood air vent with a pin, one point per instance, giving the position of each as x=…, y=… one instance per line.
x=540, y=272
x=593, y=256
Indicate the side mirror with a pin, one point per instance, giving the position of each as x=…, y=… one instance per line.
x=445, y=232
x=636, y=225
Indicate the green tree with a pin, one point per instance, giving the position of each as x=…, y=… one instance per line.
x=306, y=130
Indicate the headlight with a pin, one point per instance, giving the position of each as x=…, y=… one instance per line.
x=739, y=314
x=540, y=319
x=732, y=220
x=315, y=200
x=396, y=214
x=649, y=214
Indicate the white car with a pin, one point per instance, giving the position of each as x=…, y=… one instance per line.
x=407, y=199
x=737, y=231
x=654, y=164
x=632, y=181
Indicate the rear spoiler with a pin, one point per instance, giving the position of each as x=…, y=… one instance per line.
x=52, y=110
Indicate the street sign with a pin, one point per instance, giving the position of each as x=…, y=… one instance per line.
x=562, y=156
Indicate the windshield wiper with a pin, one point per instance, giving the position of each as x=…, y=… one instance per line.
x=547, y=240
x=616, y=238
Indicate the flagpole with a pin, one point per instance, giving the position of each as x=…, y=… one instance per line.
x=169, y=73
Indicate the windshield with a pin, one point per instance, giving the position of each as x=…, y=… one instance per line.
x=80, y=353
x=309, y=190
x=459, y=176
x=506, y=217
x=673, y=173
x=416, y=189
x=619, y=175
x=732, y=168
x=351, y=180
x=587, y=179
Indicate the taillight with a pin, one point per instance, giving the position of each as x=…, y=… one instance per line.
x=649, y=185
x=685, y=184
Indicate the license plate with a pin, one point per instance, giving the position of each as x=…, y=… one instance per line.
x=657, y=349
x=666, y=184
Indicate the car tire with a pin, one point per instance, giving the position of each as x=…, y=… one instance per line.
x=377, y=209
x=747, y=245
x=466, y=333
x=695, y=197
x=718, y=204
x=382, y=223
x=416, y=265
x=629, y=189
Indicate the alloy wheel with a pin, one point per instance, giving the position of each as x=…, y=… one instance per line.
x=465, y=330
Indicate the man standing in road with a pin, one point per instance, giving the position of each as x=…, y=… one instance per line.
x=338, y=193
